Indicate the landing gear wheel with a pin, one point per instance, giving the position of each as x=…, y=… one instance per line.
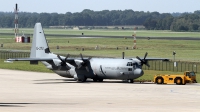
x=94, y=80
x=159, y=80
x=130, y=80
x=100, y=80
x=82, y=80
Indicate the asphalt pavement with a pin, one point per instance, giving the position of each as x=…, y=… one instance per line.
x=22, y=91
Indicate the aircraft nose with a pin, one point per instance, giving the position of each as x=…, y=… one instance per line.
x=138, y=72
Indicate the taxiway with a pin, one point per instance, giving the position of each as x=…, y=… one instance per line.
x=22, y=91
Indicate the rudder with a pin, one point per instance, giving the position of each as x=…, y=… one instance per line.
x=39, y=46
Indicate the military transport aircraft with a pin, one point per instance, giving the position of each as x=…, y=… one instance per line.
x=83, y=68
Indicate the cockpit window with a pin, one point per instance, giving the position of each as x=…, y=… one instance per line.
x=134, y=65
x=129, y=64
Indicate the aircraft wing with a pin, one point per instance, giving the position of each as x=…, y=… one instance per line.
x=152, y=59
x=29, y=59
x=73, y=61
x=70, y=61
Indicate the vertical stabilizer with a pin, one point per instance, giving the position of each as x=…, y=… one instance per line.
x=39, y=46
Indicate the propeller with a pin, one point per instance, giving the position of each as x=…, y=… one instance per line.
x=63, y=62
x=84, y=62
x=143, y=61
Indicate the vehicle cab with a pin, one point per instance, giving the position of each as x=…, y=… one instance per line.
x=190, y=75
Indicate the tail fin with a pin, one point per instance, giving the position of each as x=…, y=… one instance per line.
x=39, y=46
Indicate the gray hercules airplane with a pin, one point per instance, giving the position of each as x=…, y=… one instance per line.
x=82, y=68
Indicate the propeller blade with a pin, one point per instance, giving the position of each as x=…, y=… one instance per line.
x=84, y=63
x=87, y=68
x=139, y=58
x=81, y=56
x=67, y=57
x=63, y=62
x=144, y=61
x=145, y=55
x=68, y=67
x=148, y=64
x=59, y=57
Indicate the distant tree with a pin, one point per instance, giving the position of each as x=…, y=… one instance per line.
x=186, y=22
x=151, y=20
x=197, y=12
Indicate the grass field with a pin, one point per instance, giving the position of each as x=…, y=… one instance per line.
x=187, y=50
x=140, y=33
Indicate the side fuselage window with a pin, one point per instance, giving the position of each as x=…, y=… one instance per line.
x=129, y=69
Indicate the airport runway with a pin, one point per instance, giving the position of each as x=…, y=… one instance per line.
x=22, y=91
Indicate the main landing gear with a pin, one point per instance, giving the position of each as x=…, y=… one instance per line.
x=99, y=80
x=130, y=80
x=82, y=80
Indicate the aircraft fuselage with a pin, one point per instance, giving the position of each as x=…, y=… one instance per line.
x=105, y=69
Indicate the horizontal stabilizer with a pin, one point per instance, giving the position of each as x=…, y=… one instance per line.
x=29, y=59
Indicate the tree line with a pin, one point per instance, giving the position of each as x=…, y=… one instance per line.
x=151, y=20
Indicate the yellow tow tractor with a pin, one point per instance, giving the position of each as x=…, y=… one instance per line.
x=179, y=79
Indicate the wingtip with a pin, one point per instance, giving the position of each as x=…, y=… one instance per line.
x=6, y=61
x=166, y=60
